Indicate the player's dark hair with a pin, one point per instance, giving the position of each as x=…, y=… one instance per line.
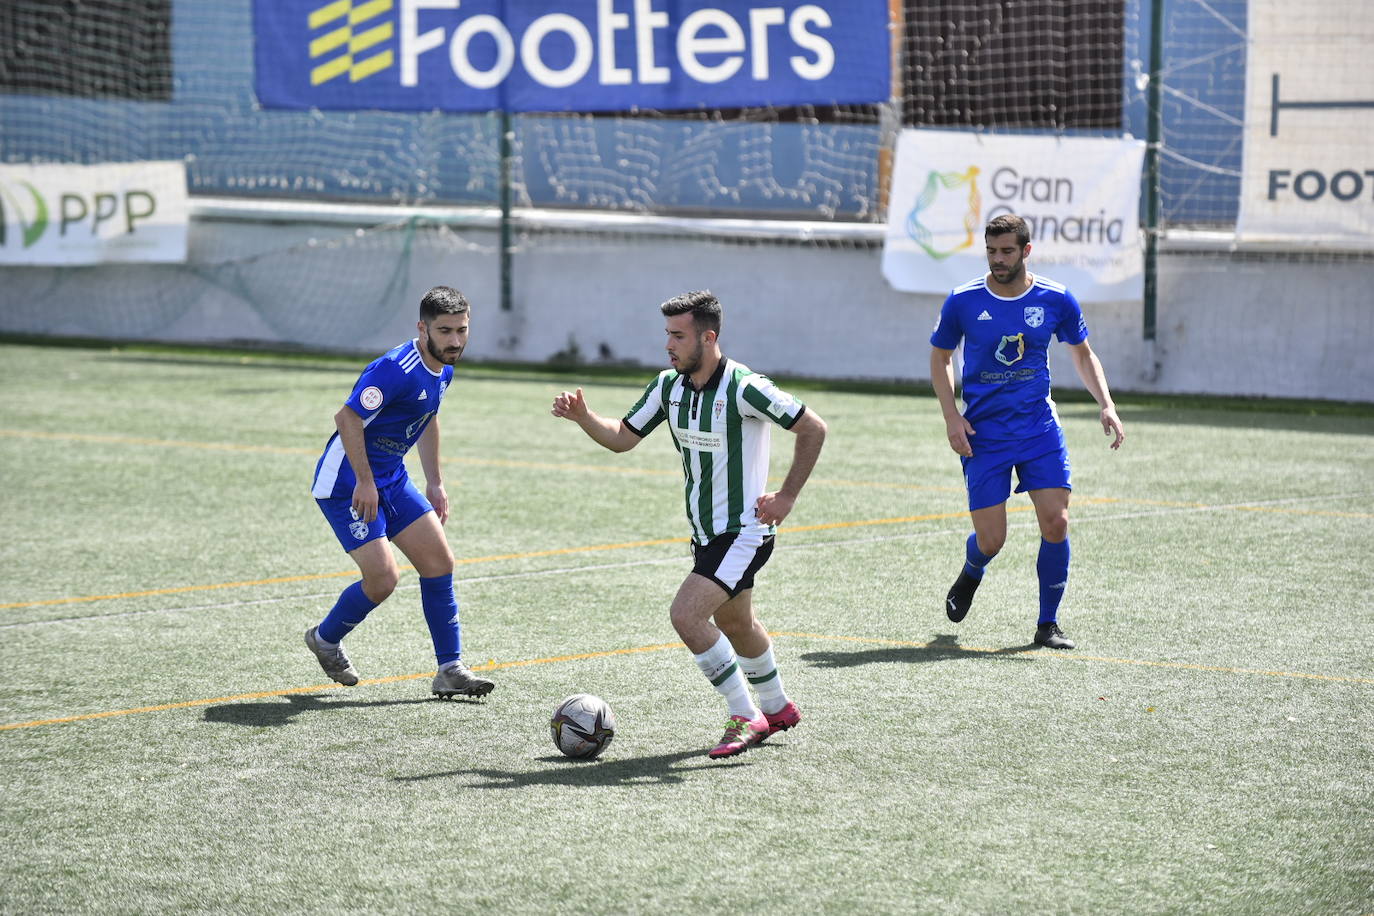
x=442, y=300
x=700, y=304
x=1008, y=222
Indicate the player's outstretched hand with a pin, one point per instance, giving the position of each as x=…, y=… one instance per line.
x=570, y=405
x=1111, y=426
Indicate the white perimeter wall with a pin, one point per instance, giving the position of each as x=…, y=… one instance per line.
x=1227, y=324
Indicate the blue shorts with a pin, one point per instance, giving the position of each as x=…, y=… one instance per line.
x=1041, y=463
x=398, y=504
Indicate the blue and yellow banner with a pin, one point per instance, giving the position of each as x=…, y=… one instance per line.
x=570, y=55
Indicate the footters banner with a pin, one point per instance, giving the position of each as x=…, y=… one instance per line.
x=570, y=55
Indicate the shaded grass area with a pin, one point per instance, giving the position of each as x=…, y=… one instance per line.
x=1174, y=762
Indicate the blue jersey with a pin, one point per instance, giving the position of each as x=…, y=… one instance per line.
x=1006, y=381
x=396, y=396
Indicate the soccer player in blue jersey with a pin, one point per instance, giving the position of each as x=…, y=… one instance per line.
x=365, y=492
x=1006, y=320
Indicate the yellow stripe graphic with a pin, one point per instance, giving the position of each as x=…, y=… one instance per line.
x=329, y=41
x=364, y=40
x=328, y=13
x=374, y=64
x=366, y=11
x=326, y=72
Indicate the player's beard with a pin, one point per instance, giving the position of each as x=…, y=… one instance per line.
x=689, y=363
x=448, y=359
x=1012, y=273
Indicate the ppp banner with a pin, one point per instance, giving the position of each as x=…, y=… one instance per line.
x=92, y=214
x=569, y=55
x=1308, y=166
x=1079, y=195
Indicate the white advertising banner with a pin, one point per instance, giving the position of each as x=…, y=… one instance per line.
x=93, y=214
x=1308, y=172
x=1080, y=196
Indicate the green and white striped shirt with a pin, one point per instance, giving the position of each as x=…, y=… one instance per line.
x=721, y=433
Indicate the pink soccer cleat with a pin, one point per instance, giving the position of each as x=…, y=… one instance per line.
x=740, y=734
x=787, y=717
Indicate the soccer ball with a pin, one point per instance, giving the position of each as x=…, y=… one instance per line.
x=582, y=725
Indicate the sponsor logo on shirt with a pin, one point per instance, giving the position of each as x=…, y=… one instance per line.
x=1011, y=349
x=782, y=406
x=700, y=441
x=391, y=446
x=985, y=316
x=424, y=395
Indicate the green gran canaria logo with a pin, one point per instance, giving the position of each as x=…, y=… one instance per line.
x=31, y=230
x=925, y=201
x=341, y=18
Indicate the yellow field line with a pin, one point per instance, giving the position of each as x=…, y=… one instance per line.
x=473, y=462
x=267, y=694
x=635, y=650
x=467, y=561
x=656, y=472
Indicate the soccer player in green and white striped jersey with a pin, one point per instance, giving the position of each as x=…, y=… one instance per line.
x=720, y=414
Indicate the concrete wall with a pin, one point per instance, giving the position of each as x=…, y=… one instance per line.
x=1227, y=324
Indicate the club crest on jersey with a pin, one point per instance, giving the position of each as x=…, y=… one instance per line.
x=718, y=408
x=1011, y=349
x=1035, y=315
x=358, y=530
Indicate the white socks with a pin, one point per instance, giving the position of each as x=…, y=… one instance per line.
x=763, y=674
x=722, y=670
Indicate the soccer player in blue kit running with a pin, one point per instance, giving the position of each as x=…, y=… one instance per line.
x=1006, y=320
x=364, y=490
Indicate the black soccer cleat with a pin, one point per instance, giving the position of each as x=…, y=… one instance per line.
x=960, y=597
x=1051, y=637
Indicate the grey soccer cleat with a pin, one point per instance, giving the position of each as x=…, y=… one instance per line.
x=458, y=680
x=334, y=662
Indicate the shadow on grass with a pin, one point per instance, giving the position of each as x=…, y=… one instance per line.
x=942, y=648
x=662, y=769
x=276, y=713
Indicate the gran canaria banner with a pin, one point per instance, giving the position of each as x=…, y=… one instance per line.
x=570, y=55
x=1308, y=172
x=92, y=214
x=1080, y=196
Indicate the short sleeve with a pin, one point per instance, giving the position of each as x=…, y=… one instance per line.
x=759, y=397
x=948, y=330
x=648, y=410
x=381, y=383
x=1072, y=327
